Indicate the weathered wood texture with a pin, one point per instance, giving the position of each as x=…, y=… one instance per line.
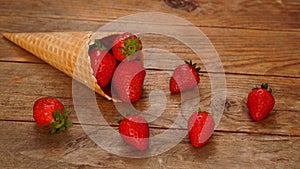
x=53, y=15
x=24, y=85
x=257, y=41
x=241, y=51
x=74, y=149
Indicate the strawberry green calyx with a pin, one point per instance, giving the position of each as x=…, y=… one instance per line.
x=264, y=86
x=194, y=65
x=131, y=47
x=99, y=45
x=201, y=111
x=126, y=115
x=60, y=122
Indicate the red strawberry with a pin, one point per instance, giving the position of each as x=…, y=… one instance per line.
x=50, y=114
x=128, y=80
x=102, y=62
x=201, y=127
x=135, y=131
x=260, y=102
x=185, y=77
x=126, y=45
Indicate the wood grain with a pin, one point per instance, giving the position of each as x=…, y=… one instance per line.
x=257, y=42
x=240, y=52
x=249, y=14
x=20, y=88
x=76, y=150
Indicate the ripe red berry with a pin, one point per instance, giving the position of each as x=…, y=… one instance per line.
x=50, y=114
x=102, y=63
x=185, y=77
x=135, y=131
x=260, y=102
x=128, y=81
x=127, y=46
x=201, y=126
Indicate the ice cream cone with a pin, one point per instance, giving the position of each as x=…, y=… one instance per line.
x=66, y=51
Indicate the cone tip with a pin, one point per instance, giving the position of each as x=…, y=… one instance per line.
x=7, y=35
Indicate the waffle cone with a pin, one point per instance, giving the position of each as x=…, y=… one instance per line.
x=66, y=51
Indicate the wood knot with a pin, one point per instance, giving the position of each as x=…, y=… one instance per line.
x=235, y=105
x=187, y=5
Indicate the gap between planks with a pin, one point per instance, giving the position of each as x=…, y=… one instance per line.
x=164, y=128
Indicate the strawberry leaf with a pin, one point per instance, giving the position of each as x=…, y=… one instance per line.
x=99, y=45
x=270, y=90
x=194, y=65
x=126, y=115
x=69, y=123
x=264, y=86
x=60, y=122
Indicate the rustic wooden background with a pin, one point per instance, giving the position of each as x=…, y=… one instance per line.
x=258, y=42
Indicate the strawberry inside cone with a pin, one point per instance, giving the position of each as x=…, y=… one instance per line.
x=128, y=80
x=104, y=64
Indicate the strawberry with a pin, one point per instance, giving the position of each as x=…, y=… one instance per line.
x=201, y=127
x=260, y=102
x=128, y=80
x=102, y=63
x=50, y=114
x=135, y=131
x=126, y=45
x=185, y=77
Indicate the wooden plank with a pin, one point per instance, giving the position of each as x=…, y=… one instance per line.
x=241, y=52
x=258, y=41
x=282, y=120
x=12, y=53
x=20, y=88
x=249, y=14
x=75, y=149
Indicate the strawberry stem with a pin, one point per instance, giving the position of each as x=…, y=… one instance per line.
x=60, y=122
x=199, y=109
x=131, y=47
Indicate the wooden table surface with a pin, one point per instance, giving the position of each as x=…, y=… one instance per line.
x=257, y=41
